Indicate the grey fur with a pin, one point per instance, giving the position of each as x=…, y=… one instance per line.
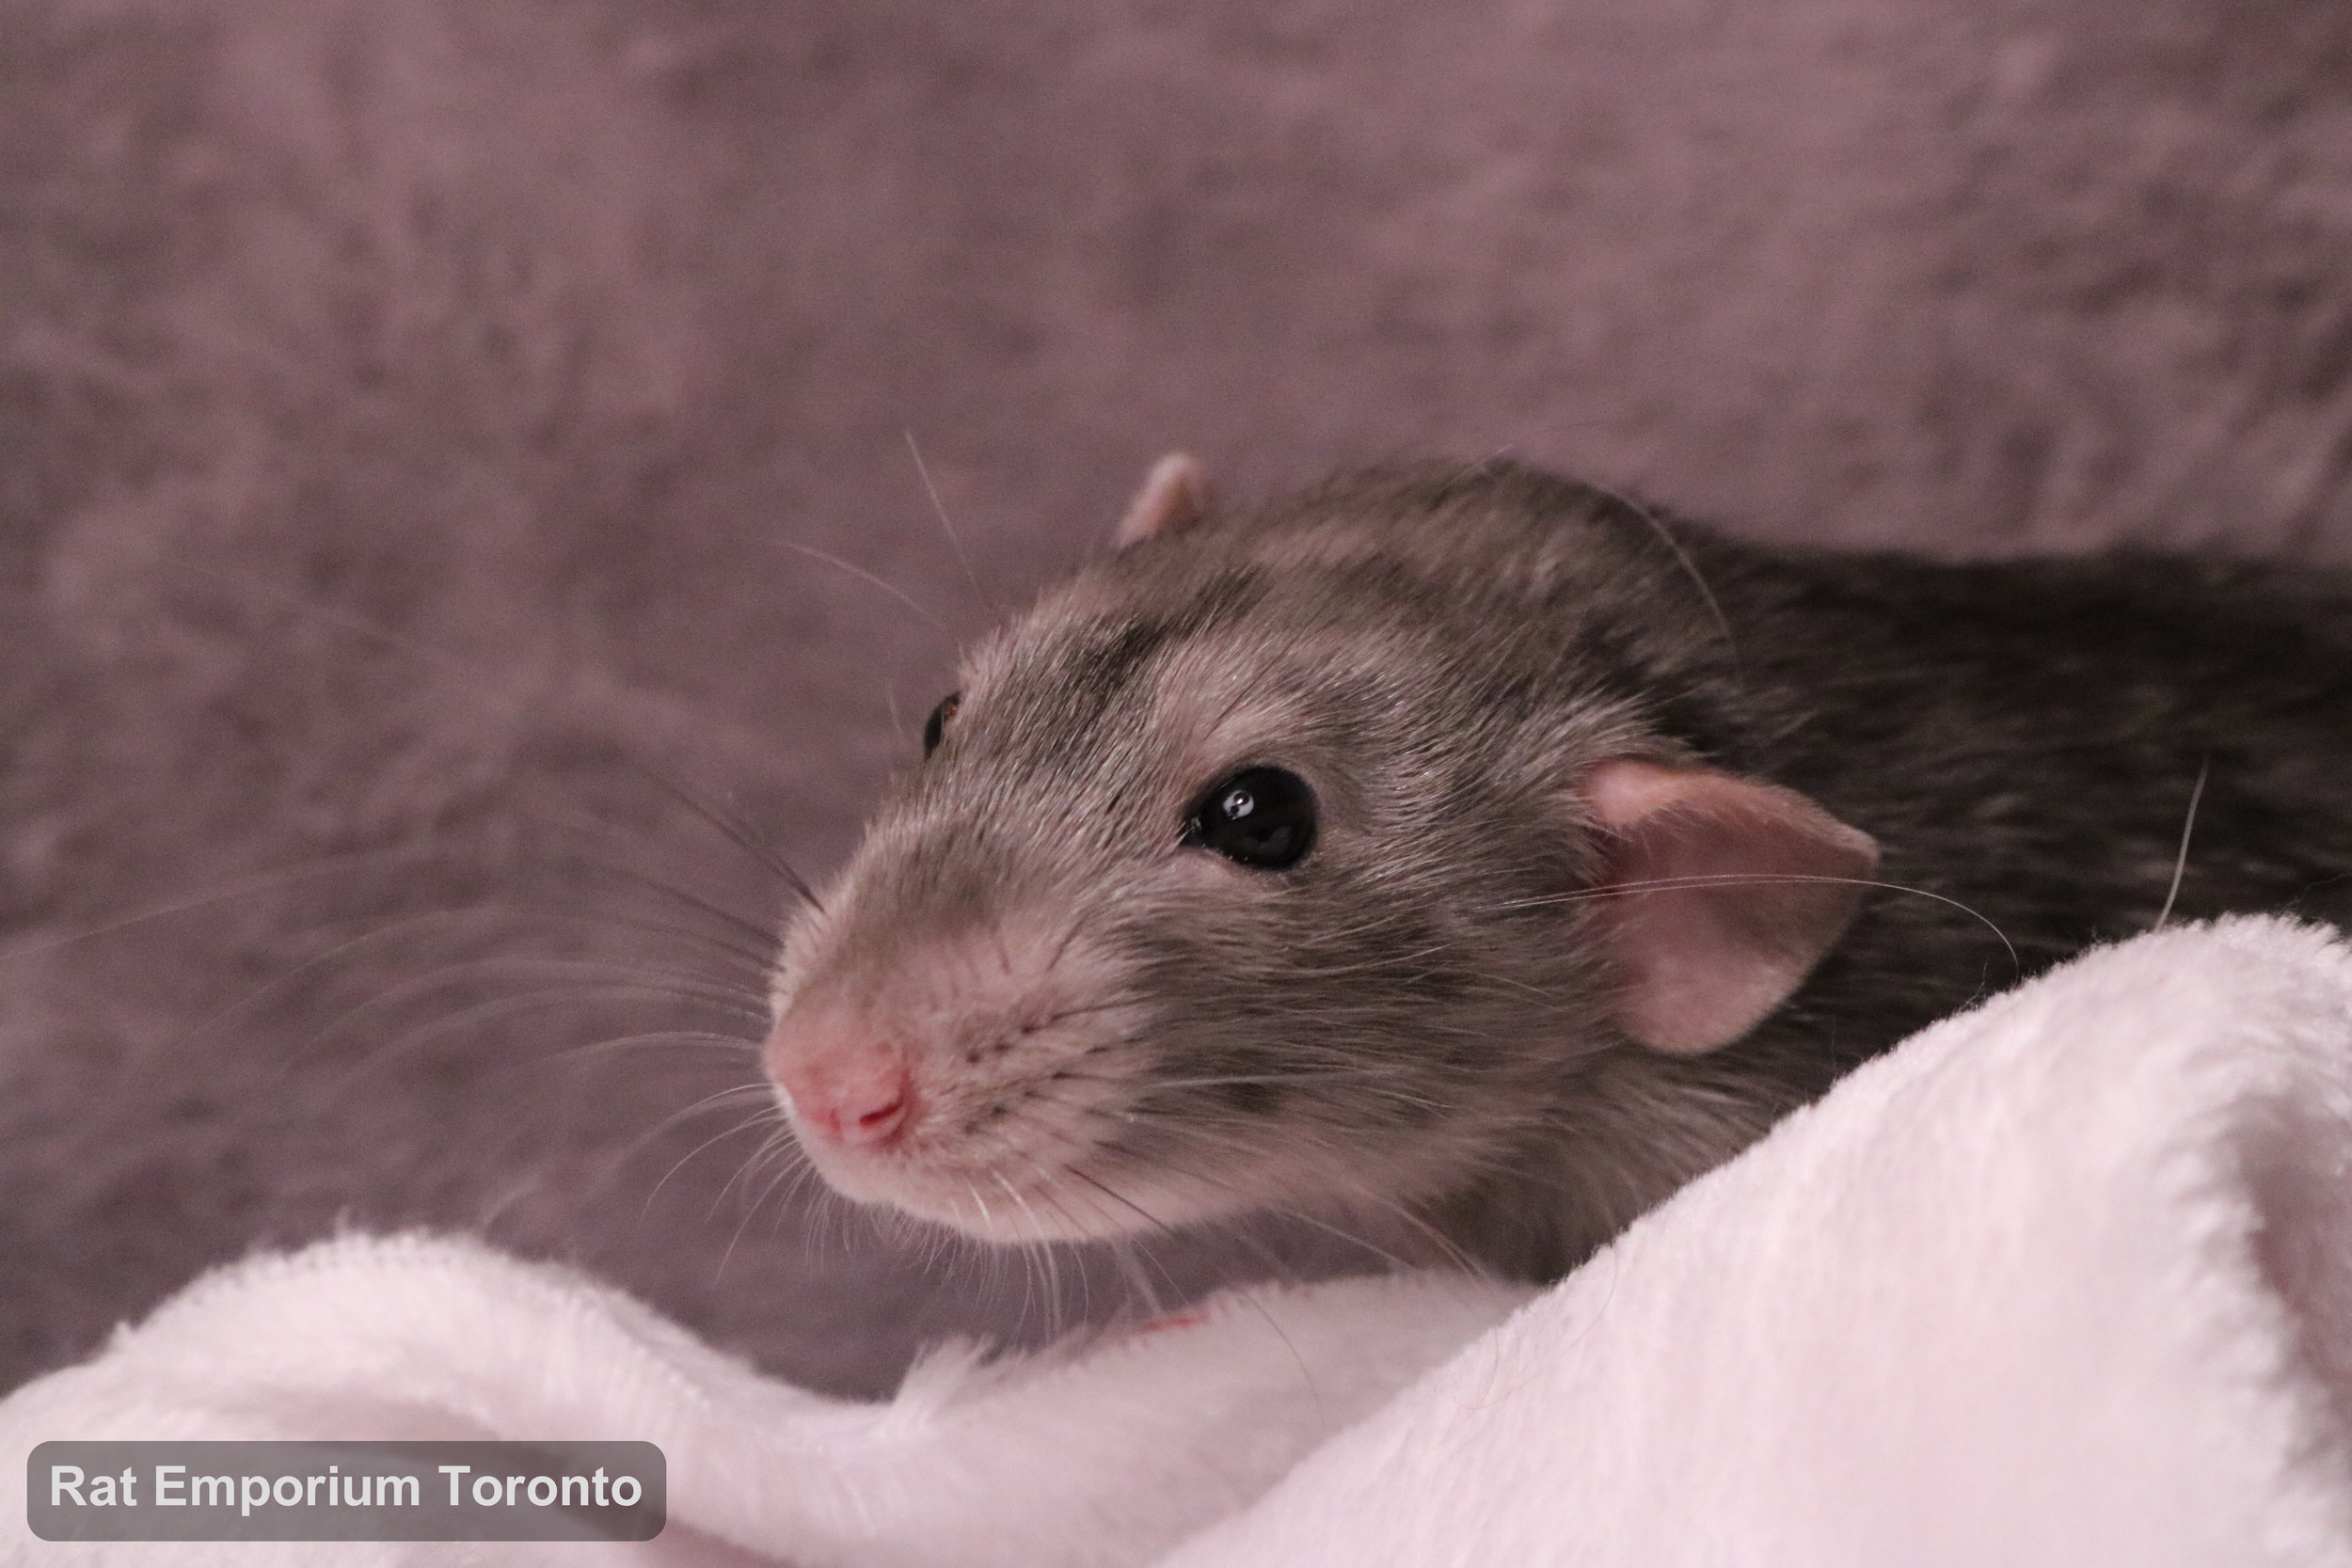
x=1413, y=1025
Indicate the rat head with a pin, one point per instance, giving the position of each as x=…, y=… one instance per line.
x=1291, y=863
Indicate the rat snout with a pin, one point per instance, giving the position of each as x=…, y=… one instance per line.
x=845, y=1086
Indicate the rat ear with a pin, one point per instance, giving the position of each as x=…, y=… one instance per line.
x=1175, y=497
x=1720, y=894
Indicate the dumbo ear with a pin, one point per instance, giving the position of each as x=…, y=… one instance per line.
x=1720, y=895
x=1175, y=497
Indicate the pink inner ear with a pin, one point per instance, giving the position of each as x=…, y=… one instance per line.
x=1175, y=497
x=1724, y=895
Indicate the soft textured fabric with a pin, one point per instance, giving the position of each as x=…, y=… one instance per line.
x=2063, y=1280
x=1098, y=1454
x=413, y=413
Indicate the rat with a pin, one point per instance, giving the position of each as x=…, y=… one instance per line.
x=1464, y=854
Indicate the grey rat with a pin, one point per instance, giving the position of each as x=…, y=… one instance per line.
x=1457, y=852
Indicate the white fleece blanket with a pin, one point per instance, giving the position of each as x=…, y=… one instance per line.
x=2064, y=1280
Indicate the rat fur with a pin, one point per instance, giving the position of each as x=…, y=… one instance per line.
x=1085, y=1025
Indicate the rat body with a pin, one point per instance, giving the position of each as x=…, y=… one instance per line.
x=1453, y=852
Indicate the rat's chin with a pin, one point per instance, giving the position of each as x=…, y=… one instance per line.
x=991, y=1205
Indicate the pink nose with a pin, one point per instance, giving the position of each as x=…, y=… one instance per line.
x=846, y=1091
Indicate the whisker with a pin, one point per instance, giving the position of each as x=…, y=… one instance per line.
x=731, y=1043
x=1041, y=1258
x=1062, y=947
x=470, y=678
x=1153, y=1225
x=1308, y=1076
x=759, y=960
x=735, y=831
x=328, y=614
x=758, y=931
x=1682, y=557
x=789, y=1174
x=317, y=962
x=1447, y=1249
x=732, y=1129
x=2180, y=862
x=1083, y=1010
x=636, y=981
x=1131, y=1272
x=767, y=1111
x=755, y=1092
x=413, y=1040
x=244, y=888
x=1625, y=890
x=1145, y=1092
x=855, y=570
x=939, y=510
x=1191, y=1128
x=752, y=1213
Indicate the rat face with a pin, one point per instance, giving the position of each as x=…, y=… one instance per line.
x=1244, y=872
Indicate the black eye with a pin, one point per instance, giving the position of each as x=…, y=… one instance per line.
x=936, y=727
x=1262, y=818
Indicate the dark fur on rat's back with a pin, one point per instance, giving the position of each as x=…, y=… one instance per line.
x=1411, y=1020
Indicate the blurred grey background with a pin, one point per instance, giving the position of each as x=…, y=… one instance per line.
x=415, y=417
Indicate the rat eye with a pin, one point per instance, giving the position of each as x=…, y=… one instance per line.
x=1262, y=818
x=936, y=727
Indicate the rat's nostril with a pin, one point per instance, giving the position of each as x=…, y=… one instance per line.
x=879, y=1122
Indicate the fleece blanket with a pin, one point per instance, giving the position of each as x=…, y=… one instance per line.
x=2066, y=1279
